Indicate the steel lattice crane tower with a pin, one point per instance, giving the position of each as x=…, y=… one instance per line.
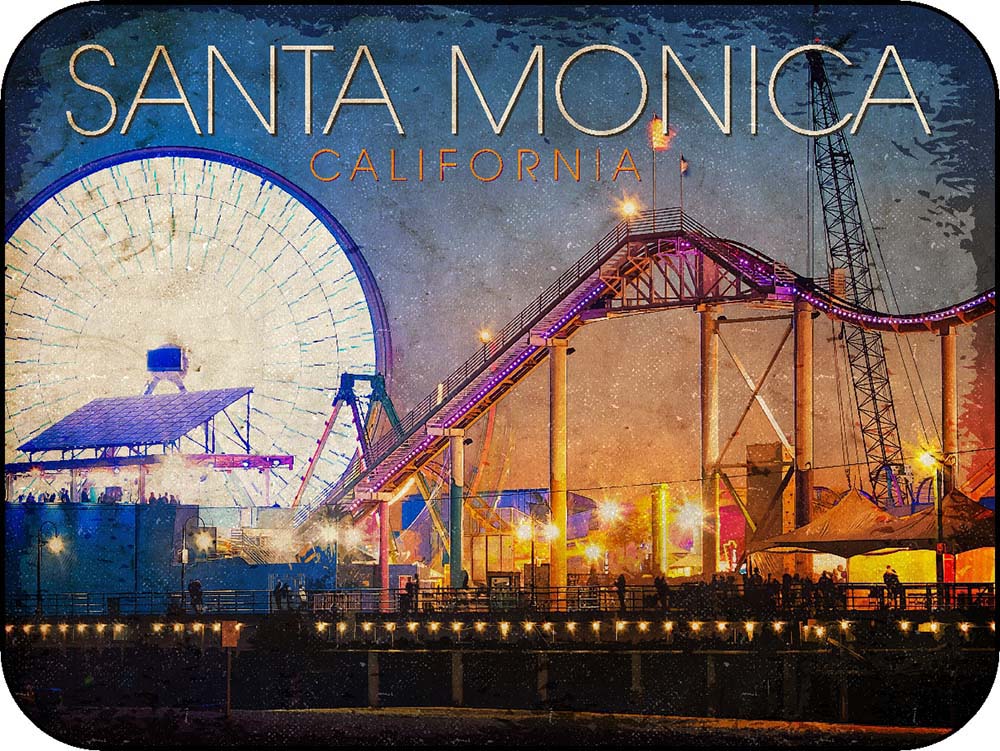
x=850, y=256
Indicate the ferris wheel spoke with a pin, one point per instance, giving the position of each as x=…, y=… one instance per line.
x=179, y=247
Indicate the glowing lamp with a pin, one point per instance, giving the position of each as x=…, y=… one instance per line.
x=927, y=460
x=628, y=208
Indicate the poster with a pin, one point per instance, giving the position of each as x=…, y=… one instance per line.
x=329, y=267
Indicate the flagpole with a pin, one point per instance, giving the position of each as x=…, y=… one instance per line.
x=680, y=170
x=653, y=153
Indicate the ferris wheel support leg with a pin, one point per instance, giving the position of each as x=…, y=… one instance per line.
x=949, y=409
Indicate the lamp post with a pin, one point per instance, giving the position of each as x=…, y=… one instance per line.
x=184, y=548
x=934, y=464
x=628, y=208
x=55, y=545
x=529, y=533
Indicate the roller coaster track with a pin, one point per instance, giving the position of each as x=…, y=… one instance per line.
x=656, y=260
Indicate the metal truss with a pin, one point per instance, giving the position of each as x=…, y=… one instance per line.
x=672, y=274
x=848, y=250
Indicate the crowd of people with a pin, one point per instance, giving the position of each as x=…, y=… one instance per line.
x=61, y=497
x=90, y=495
x=755, y=593
x=283, y=599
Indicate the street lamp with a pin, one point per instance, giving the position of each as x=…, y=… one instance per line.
x=56, y=546
x=609, y=511
x=202, y=541
x=628, y=208
x=526, y=532
x=934, y=464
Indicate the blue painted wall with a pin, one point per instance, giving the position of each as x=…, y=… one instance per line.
x=100, y=552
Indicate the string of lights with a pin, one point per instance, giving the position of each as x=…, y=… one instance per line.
x=371, y=630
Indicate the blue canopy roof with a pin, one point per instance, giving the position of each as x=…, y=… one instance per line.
x=134, y=420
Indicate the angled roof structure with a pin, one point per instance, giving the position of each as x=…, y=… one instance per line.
x=856, y=526
x=134, y=420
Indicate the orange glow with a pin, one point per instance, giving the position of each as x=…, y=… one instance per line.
x=658, y=140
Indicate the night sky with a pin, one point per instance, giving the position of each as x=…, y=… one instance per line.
x=454, y=257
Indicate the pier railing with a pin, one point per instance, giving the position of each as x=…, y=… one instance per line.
x=694, y=601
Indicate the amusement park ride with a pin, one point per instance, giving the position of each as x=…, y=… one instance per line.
x=664, y=259
x=653, y=260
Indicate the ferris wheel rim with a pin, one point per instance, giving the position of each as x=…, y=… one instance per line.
x=376, y=306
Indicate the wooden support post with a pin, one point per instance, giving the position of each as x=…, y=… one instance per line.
x=709, y=439
x=949, y=409
x=457, y=498
x=542, y=681
x=373, y=697
x=804, y=416
x=635, y=689
x=711, y=687
x=383, y=555
x=789, y=688
x=557, y=461
x=457, y=679
x=804, y=411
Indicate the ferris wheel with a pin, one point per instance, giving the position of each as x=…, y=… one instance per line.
x=255, y=280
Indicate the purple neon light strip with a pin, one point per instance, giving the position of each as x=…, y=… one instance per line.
x=743, y=261
x=492, y=383
x=894, y=320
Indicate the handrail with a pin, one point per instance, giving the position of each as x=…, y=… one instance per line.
x=691, y=598
x=520, y=325
x=754, y=266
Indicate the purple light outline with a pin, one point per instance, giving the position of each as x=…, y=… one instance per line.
x=760, y=271
x=491, y=384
